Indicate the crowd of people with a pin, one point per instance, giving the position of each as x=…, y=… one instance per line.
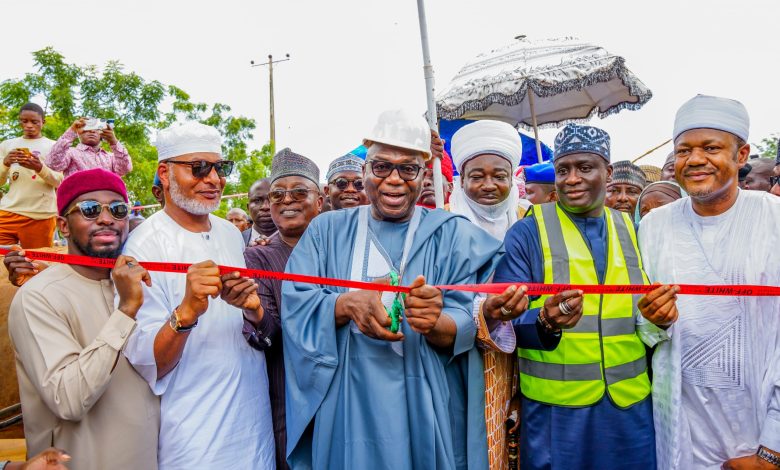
x=127, y=368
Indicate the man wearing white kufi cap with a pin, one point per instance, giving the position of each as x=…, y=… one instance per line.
x=716, y=390
x=188, y=345
x=361, y=393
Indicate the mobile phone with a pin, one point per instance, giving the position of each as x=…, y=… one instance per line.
x=110, y=123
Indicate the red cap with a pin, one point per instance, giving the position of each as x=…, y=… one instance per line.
x=446, y=166
x=82, y=182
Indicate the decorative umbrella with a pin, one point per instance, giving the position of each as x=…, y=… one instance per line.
x=542, y=83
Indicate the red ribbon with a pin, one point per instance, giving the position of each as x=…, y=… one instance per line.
x=495, y=288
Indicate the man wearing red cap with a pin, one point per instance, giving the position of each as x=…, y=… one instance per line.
x=78, y=391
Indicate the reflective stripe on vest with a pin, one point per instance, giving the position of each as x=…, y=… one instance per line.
x=602, y=352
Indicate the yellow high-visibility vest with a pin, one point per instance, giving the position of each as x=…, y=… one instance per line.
x=603, y=351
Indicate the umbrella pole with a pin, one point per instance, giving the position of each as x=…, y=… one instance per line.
x=536, y=127
x=438, y=187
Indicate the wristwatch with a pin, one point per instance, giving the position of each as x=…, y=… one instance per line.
x=764, y=454
x=176, y=324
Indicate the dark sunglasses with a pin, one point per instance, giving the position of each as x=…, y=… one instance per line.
x=773, y=180
x=343, y=183
x=91, y=210
x=202, y=168
x=407, y=171
x=297, y=195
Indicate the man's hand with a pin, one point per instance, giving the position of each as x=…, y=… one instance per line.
x=49, y=459
x=558, y=319
x=107, y=134
x=78, y=125
x=203, y=281
x=14, y=156
x=262, y=240
x=660, y=306
x=750, y=462
x=365, y=308
x=437, y=145
x=241, y=292
x=20, y=268
x=423, y=306
x=30, y=161
x=128, y=276
x=513, y=300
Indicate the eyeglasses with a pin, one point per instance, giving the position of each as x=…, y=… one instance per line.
x=343, y=183
x=202, y=168
x=91, y=210
x=773, y=180
x=407, y=171
x=297, y=195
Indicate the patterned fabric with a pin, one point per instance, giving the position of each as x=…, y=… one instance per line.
x=652, y=173
x=582, y=139
x=498, y=349
x=712, y=112
x=69, y=159
x=625, y=172
x=347, y=162
x=288, y=163
x=187, y=137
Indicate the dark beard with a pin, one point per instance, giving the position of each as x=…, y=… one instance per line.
x=104, y=253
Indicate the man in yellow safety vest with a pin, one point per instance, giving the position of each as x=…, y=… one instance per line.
x=583, y=370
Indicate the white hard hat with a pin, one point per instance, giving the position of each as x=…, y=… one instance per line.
x=402, y=129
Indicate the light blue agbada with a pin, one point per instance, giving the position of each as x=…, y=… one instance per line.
x=357, y=403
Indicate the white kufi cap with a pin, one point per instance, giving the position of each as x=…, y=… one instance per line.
x=187, y=137
x=712, y=112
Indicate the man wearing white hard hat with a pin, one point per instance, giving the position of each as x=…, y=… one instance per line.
x=362, y=393
x=188, y=345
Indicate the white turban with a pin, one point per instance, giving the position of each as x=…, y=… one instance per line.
x=712, y=112
x=486, y=137
x=188, y=137
x=494, y=138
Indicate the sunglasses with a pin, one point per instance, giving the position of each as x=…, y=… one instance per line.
x=91, y=210
x=343, y=183
x=202, y=168
x=407, y=171
x=297, y=195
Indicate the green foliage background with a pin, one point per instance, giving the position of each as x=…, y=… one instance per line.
x=140, y=107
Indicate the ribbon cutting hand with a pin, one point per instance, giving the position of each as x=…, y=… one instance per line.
x=506, y=306
x=203, y=281
x=21, y=268
x=128, y=276
x=241, y=292
x=660, y=305
x=365, y=308
x=423, y=306
x=563, y=310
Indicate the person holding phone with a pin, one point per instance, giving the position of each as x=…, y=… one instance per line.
x=89, y=153
x=28, y=212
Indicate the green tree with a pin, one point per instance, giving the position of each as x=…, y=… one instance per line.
x=767, y=148
x=139, y=108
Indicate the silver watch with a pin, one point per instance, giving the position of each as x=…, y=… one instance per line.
x=764, y=454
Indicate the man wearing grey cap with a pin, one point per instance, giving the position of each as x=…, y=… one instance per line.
x=214, y=407
x=583, y=370
x=345, y=182
x=625, y=186
x=295, y=200
x=716, y=389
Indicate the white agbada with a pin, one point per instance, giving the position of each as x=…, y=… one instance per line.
x=716, y=386
x=215, y=410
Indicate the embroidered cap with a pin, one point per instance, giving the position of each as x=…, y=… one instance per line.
x=581, y=139
x=288, y=163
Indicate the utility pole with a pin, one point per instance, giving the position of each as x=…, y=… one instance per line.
x=270, y=65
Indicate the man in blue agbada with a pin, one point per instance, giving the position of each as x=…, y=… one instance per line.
x=583, y=371
x=358, y=395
